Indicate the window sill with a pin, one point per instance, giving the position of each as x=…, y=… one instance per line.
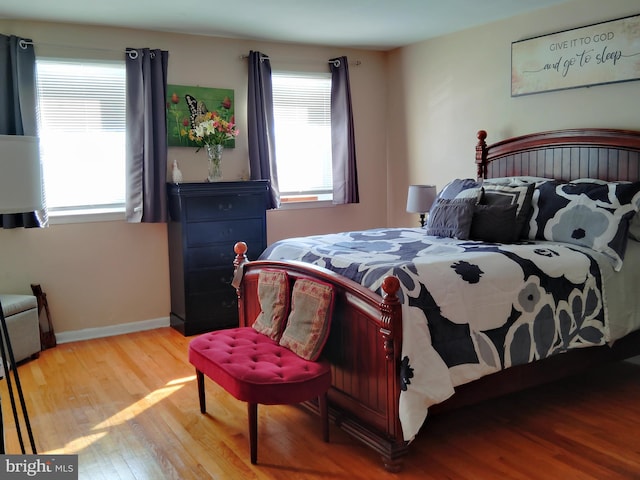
x=312, y=204
x=86, y=216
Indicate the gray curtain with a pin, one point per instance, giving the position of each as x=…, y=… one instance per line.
x=146, y=157
x=343, y=144
x=18, y=109
x=260, y=124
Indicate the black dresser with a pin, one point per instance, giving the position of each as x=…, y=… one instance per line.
x=205, y=222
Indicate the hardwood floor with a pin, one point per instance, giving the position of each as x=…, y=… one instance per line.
x=128, y=406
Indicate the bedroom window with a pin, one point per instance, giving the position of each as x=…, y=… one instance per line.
x=302, y=113
x=81, y=110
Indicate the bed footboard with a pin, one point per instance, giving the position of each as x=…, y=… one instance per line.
x=364, y=349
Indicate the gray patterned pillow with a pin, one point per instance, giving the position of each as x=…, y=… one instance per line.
x=460, y=188
x=592, y=214
x=451, y=218
x=519, y=195
x=514, y=181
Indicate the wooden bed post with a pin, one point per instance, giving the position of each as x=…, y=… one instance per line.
x=481, y=154
x=240, y=250
x=390, y=286
x=391, y=319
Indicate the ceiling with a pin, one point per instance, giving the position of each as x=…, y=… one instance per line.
x=367, y=24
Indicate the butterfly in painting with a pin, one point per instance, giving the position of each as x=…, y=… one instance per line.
x=197, y=110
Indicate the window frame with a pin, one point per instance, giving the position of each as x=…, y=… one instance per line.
x=108, y=211
x=312, y=197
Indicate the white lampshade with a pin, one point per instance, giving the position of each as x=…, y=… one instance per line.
x=20, y=174
x=420, y=198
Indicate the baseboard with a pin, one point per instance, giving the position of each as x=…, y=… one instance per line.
x=99, y=332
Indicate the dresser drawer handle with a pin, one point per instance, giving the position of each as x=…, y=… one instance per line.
x=225, y=233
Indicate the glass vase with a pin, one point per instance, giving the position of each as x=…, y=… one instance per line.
x=214, y=154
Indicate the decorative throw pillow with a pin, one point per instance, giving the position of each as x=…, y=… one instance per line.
x=451, y=218
x=494, y=223
x=518, y=180
x=519, y=195
x=310, y=318
x=634, y=223
x=273, y=295
x=593, y=214
x=460, y=188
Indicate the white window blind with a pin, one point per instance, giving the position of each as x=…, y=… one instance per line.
x=302, y=112
x=82, y=133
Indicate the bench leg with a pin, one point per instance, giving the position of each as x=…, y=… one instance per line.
x=324, y=416
x=200, y=380
x=253, y=431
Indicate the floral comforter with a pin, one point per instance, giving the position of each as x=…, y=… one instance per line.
x=469, y=308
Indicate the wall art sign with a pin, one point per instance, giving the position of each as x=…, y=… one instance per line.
x=596, y=54
x=185, y=103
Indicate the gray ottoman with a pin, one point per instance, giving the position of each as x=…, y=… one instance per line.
x=21, y=314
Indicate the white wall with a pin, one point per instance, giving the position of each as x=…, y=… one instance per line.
x=109, y=273
x=446, y=89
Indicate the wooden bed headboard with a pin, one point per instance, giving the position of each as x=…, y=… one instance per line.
x=606, y=154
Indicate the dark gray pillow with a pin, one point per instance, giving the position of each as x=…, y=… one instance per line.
x=519, y=195
x=451, y=218
x=495, y=223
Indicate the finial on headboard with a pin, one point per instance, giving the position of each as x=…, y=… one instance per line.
x=481, y=154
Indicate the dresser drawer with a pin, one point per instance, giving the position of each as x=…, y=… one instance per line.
x=220, y=254
x=217, y=255
x=223, y=206
x=220, y=309
x=210, y=280
x=229, y=231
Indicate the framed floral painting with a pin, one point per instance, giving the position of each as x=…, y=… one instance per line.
x=188, y=106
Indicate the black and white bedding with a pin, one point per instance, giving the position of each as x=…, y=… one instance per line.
x=469, y=308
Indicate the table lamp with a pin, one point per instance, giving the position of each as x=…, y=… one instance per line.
x=419, y=200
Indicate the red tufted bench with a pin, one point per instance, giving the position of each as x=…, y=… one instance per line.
x=254, y=368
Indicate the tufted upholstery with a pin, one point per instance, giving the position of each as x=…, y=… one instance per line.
x=254, y=368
